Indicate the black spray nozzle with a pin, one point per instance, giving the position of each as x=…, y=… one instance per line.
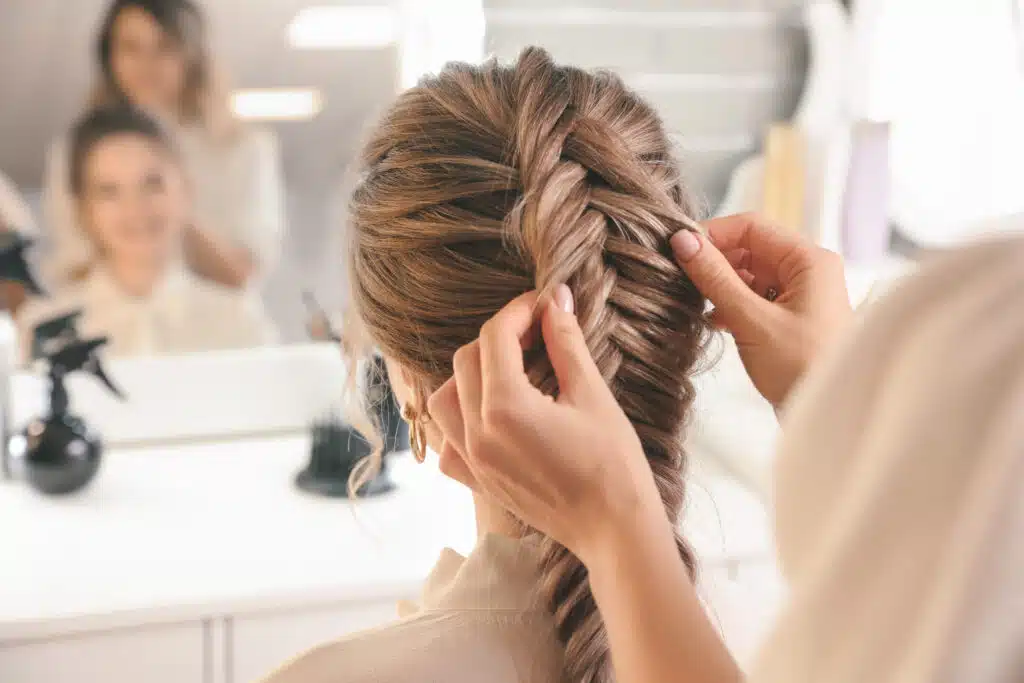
x=82, y=355
x=13, y=265
x=51, y=335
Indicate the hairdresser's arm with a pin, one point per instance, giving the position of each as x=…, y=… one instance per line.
x=216, y=259
x=658, y=630
x=257, y=220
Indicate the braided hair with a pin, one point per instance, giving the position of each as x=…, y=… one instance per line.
x=487, y=181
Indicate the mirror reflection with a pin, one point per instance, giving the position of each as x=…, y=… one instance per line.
x=180, y=170
x=133, y=258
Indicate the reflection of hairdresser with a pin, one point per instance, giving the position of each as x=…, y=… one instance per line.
x=132, y=204
x=899, y=484
x=153, y=54
x=16, y=216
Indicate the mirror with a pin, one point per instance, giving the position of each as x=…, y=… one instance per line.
x=206, y=222
x=197, y=220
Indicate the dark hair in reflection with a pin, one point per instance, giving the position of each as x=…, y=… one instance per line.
x=203, y=101
x=102, y=123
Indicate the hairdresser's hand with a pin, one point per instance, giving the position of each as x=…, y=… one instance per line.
x=741, y=264
x=572, y=467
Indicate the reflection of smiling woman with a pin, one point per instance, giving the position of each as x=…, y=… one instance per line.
x=132, y=204
x=153, y=54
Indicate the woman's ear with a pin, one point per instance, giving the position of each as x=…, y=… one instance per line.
x=403, y=382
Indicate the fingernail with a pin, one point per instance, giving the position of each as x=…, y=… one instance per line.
x=685, y=245
x=563, y=298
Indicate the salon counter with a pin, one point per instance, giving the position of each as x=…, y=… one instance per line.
x=202, y=563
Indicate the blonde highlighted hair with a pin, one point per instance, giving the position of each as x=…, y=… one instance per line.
x=487, y=181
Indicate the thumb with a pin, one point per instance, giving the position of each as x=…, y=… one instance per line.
x=709, y=269
x=567, y=349
x=452, y=464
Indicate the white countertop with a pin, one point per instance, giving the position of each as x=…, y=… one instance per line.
x=191, y=532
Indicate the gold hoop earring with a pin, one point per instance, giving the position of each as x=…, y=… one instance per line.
x=417, y=432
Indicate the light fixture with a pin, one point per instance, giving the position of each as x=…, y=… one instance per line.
x=341, y=27
x=276, y=104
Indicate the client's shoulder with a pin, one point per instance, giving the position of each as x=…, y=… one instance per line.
x=480, y=619
x=449, y=646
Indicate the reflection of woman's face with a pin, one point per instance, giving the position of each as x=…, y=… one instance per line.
x=133, y=205
x=148, y=65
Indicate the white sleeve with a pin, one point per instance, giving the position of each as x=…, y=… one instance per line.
x=15, y=213
x=253, y=326
x=68, y=248
x=261, y=227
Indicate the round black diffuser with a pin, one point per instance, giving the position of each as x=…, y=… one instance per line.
x=337, y=448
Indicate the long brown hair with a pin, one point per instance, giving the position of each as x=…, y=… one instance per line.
x=488, y=181
x=204, y=101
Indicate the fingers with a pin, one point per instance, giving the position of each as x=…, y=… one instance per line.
x=454, y=466
x=469, y=387
x=716, y=278
x=738, y=258
x=567, y=350
x=772, y=250
x=749, y=231
x=444, y=409
x=446, y=414
x=501, y=345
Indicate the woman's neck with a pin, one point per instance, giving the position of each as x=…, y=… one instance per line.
x=138, y=283
x=136, y=280
x=491, y=518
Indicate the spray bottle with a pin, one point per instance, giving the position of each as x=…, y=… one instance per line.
x=13, y=268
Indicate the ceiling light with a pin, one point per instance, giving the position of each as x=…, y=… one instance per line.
x=334, y=27
x=276, y=104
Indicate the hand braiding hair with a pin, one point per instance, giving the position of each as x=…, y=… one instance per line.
x=486, y=182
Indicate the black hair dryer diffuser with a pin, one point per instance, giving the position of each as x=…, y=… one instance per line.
x=338, y=448
x=59, y=453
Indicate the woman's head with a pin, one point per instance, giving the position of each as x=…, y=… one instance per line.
x=486, y=182
x=130, y=193
x=152, y=53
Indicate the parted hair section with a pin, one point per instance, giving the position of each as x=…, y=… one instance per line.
x=488, y=181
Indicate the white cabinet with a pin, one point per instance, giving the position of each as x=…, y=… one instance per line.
x=181, y=575
x=262, y=643
x=159, y=654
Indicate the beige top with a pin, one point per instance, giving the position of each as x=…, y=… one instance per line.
x=237, y=192
x=479, y=620
x=183, y=314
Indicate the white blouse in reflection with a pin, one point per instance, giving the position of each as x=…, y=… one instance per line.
x=237, y=191
x=479, y=619
x=183, y=314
